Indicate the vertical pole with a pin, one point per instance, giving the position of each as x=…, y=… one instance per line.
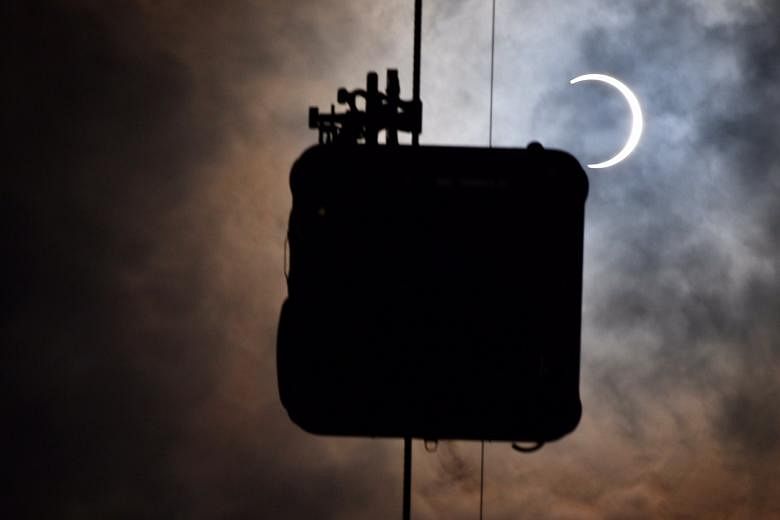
x=416, y=70
x=482, y=482
x=407, y=505
x=407, y=478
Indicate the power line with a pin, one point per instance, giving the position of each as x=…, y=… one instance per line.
x=492, y=53
x=490, y=144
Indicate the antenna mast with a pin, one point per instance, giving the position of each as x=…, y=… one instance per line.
x=383, y=110
x=416, y=70
x=417, y=103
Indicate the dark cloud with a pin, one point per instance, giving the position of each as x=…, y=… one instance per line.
x=146, y=275
x=106, y=146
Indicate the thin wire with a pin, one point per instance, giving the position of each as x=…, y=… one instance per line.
x=482, y=482
x=492, y=53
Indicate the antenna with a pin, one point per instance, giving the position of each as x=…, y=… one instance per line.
x=416, y=70
x=417, y=103
x=383, y=110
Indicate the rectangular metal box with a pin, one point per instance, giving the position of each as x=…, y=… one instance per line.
x=434, y=292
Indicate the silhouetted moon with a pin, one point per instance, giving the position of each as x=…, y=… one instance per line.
x=637, y=123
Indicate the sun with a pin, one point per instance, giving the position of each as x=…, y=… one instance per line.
x=637, y=119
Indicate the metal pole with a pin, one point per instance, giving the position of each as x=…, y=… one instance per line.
x=407, y=505
x=482, y=482
x=407, y=478
x=416, y=68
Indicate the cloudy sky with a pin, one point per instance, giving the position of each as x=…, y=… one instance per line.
x=144, y=207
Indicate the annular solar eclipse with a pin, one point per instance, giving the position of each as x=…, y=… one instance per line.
x=637, y=121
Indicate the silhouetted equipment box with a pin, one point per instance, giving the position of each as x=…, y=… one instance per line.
x=434, y=292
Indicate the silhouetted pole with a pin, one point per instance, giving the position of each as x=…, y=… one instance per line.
x=416, y=68
x=407, y=478
x=407, y=508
